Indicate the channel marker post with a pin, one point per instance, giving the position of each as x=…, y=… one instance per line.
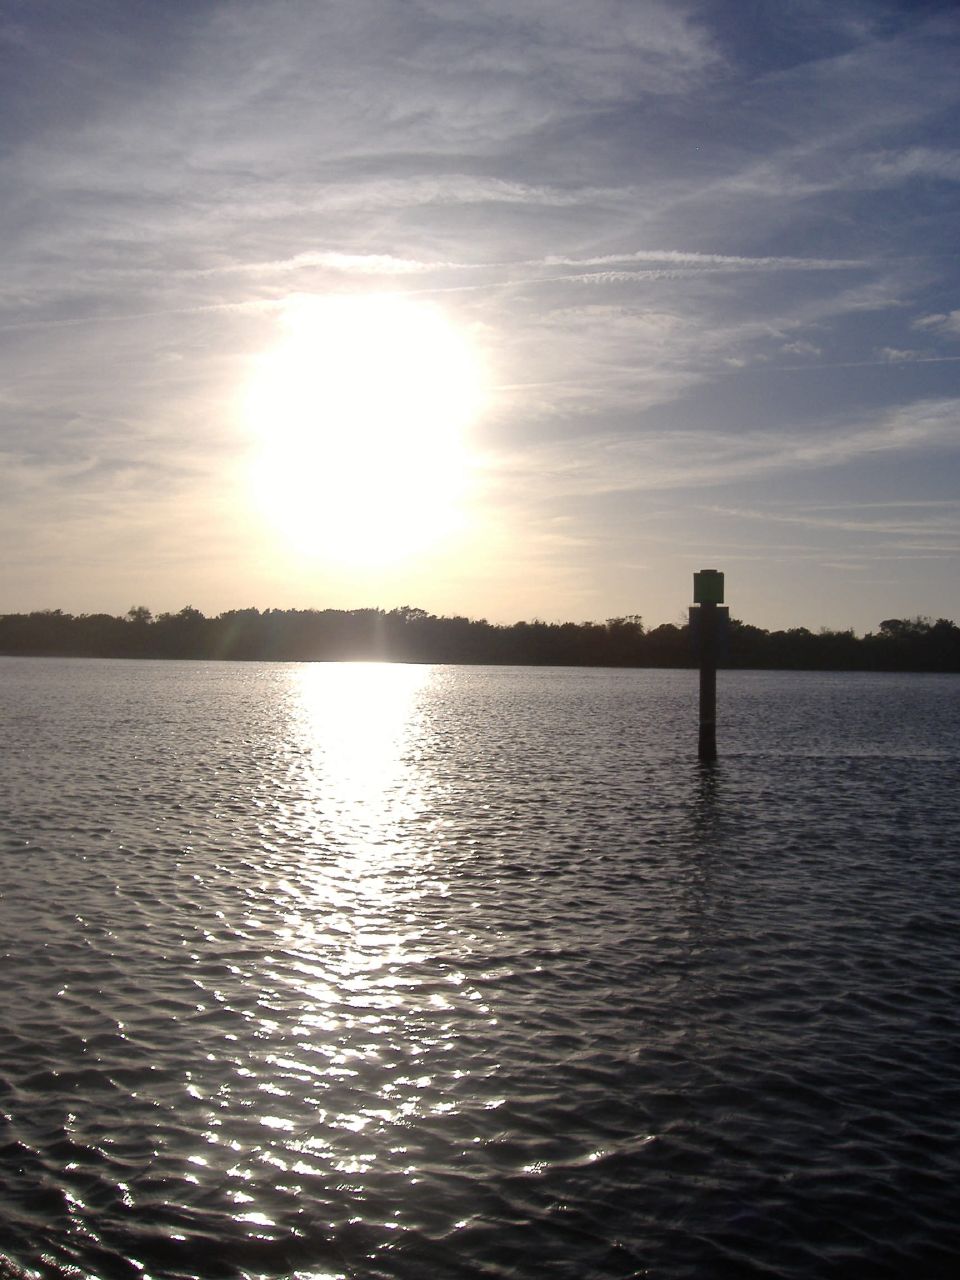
x=708, y=619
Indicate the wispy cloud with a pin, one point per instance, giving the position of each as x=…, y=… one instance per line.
x=697, y=459
x=941, y=519
x=944, y=325
x=709, y=261
x=899, y=355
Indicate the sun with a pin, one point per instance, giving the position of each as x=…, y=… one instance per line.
x=360, y=416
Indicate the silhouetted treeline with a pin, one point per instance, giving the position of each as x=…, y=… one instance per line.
x=413, y=635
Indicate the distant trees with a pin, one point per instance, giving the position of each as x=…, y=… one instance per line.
x=410, y=634
x=919, y=643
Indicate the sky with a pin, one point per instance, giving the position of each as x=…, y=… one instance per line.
x=504, y=308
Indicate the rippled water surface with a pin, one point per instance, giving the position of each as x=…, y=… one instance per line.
x=396, y=971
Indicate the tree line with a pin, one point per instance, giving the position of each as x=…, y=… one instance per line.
x=409, y=634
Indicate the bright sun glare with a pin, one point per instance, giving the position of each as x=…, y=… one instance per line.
x=360, y=415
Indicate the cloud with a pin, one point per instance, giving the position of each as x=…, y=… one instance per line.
x=889, y=167
x=940, y=520
x=726, y=262
x=801, y=348
x=701, y=458
x=611, y=50
x=898, y=355
x=361, y=264
x=943, y=325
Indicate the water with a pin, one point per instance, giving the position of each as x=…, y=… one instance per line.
x=365, y=971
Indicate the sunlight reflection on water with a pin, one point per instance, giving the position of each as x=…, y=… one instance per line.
x=355, y=725
x=351, y=912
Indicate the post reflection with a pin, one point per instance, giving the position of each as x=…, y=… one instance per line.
x=706, y=808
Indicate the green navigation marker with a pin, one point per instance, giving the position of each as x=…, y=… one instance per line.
x=708, y=587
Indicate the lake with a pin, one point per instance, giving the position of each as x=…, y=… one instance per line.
x=355, y=970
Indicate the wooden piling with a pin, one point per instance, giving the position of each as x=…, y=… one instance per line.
x=707, y=744
x=708, y=596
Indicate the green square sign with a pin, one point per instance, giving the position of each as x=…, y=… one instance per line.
x=708, y=587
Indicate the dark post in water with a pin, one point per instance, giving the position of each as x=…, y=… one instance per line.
x=706, y=619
